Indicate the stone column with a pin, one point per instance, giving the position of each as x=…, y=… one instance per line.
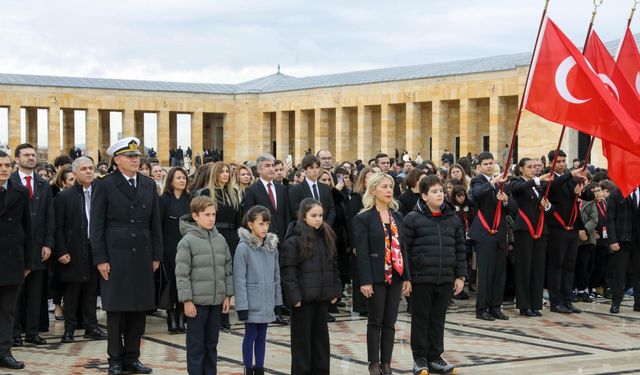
x=496, y=126
x=413, y=131
x=301, y=128
x=93, y=134
x=68, y=132
x=138, y=127
x=163, y=138
x=364, y=138
x=467, y=126
x=173, y=130
x=282, y=134
x=439, y=129
x=14, y=126
x=128, y=123
x=104, y=133
x=31, y=126
x=387, y=129
x=53, y=133
x=321, y=141
x=342, y=136
x=197, y=134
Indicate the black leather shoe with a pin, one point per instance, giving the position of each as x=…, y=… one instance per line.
x=67, y=337
x=615, y=308
x=17, y=342
x=286, y=311
x=95, y=334
x=636, y=308
x=527, y=312
x=537, y=312
x=485, y=315
x=281, y=320
x=7, y=361
x=331, y=318
x=560, y=309
x=573, y=309
x=115, y=368
x=137, y=368
x=35, y=339
x=497, y=313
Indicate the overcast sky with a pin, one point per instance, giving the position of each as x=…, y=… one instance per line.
x=236, y=41
x=232, y=42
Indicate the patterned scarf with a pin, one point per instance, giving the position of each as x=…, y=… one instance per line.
x=392, y=253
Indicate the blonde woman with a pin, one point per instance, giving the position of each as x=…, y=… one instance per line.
x=243, y=178
x=383, y=267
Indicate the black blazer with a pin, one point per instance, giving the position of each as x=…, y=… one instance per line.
x=257, y=194
x=484, y=198
x=71, y=235
x=370, y=246
x=15, y=235
x=126, y=232
x=42, y=219
x=527, y=201
x=302, y=190
x=623, y=218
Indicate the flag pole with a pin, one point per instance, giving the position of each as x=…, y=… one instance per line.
x=596, y=4
x=633, y=11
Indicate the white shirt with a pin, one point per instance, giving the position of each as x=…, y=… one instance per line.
x=273, y=188
x=24, y=180
x=135, y=179
x=311, y=183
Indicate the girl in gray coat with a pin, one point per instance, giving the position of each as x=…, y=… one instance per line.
x=256, y=277
x=204, y=282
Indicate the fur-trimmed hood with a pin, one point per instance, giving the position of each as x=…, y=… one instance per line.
x=270, y=242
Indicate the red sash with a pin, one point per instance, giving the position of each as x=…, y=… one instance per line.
x=572, y=219
x=496, y=220
x=538, y=232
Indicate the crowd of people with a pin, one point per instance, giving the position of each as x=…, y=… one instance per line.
x=275, y=243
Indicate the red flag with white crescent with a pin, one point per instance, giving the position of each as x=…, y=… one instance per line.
x=564, y=89
x=623, y=166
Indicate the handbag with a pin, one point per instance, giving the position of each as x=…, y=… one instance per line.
x=163, y=289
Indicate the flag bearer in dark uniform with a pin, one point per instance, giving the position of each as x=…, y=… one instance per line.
x=489, y=231
x=126, y=241
x=15, y=254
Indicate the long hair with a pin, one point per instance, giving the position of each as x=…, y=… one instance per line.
x=229, y=194
x=464, y=181
x=517, y=172
x=201, y=177
x=236, y=183
x=360, y=185
x=308, y=234
x=168, y=182
x=369, y=200
x=61, y=176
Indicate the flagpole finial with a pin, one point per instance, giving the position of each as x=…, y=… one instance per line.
x=633, y=10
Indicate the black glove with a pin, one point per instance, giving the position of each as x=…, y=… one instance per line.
x=243, y=315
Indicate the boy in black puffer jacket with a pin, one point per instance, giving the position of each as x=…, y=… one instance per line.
x=436, y=247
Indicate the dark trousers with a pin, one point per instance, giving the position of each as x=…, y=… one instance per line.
x=29, y=303
x=600, y=259
x=584, y=266
x=383, y=313
x=254, y=342
x=310, y=339
x=491, y=257
x=430, y=302
x=620, y=261
x=530, y=257
x=85, y=294
x=124, y=332
x=358, y=301
x=562, y=251
x=202, y=340
x=8, y=299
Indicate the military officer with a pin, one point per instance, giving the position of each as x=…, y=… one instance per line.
x=126, y=243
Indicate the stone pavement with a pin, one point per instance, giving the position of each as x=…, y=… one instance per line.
x=594, y=342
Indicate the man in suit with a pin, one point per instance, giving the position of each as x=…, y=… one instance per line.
x=15, y=254
x=43, y=232
x=73, y=251
x=126, y=243
x=266, y=192
x=311, y=188
x=562, y=248
x=623, y=228
x=490, y=239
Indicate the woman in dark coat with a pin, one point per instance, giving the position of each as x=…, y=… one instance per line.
x=228, y=211
x=174, y=203
x=410, y=197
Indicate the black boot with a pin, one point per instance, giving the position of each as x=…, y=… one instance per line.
x=249, y=371
x=172, y=321
x=181, y=318
x=258, y=371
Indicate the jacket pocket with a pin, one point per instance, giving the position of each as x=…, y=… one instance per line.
x=254, y=296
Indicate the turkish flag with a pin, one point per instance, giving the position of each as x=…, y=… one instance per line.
x=564, y=89
x=623, y=166
x=628, y=60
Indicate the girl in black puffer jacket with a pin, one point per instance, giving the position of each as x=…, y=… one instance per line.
x=436, y=249
x=310, y=282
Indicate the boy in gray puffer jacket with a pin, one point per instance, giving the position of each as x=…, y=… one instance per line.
x=205, y=283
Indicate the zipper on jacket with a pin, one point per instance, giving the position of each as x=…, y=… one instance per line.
x=213, y=255
x=440, y=257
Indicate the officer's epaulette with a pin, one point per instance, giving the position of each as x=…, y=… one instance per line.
x=105, y=175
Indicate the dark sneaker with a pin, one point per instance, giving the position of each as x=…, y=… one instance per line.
x=421, y=367
x=440, y=366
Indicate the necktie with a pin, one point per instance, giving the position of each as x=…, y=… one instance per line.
x=29, y=186
x=272, y=196
x=132, y=182
x=315, y=192
x=87, y=208
x=2, y=195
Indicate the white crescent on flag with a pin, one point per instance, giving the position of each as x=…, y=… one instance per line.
x=561, y=81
